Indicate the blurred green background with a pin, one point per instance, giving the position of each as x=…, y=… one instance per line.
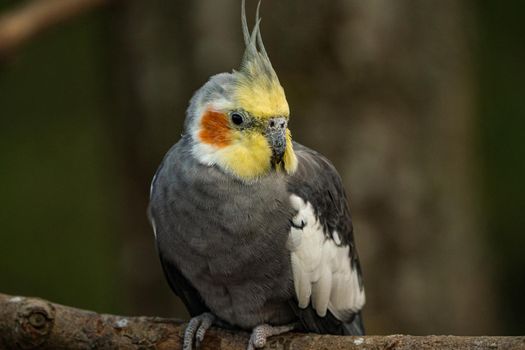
x=502, y=147
x=88, y=107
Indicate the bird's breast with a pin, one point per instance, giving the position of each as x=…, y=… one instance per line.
x=229, y=239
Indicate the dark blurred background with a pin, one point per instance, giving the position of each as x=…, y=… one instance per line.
x=419, y=104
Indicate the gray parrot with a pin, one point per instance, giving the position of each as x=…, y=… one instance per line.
x=253, y=229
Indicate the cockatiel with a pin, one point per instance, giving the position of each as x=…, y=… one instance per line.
x=253, y=229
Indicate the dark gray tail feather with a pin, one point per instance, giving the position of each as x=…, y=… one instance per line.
x=355, y=327
x=311, y=322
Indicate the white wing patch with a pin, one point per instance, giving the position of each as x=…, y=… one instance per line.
x=321, y=267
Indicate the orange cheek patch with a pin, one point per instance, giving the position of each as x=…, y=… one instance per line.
x=215, y=129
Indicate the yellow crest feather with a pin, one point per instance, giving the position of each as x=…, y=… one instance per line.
x=258, y=89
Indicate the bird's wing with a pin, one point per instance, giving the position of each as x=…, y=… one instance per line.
x=325, y=265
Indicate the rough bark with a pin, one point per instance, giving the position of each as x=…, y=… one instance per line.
x=32, y=323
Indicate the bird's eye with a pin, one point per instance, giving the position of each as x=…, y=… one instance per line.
x=237, y=118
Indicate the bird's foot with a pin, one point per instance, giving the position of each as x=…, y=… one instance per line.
x=261, y=333
x=196, y=329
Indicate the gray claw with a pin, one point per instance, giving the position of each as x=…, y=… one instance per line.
x=196, y=329
x=261, y=333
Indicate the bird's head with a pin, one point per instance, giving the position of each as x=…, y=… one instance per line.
x=239, y=121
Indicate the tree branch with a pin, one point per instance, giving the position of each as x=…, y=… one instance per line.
x=32, y=323
x=23, y=23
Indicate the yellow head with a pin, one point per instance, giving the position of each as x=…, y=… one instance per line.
x=239, y=121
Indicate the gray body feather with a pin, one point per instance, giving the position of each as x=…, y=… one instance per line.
x=222, y=241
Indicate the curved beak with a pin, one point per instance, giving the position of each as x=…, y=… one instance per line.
x=276, y=135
